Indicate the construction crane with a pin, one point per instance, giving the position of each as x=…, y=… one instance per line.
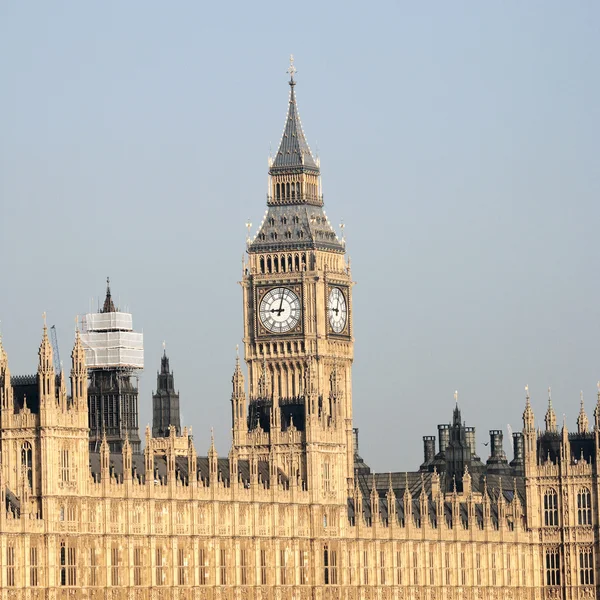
x=54, y=338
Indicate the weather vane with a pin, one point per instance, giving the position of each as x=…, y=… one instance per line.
x=292, y=69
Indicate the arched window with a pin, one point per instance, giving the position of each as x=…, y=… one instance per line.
x=293, y=191
x=268, y=264
x=262, y=264
x=283, y=260
x=550, y=508
x=584, y=507
x=287, y=190
x=26, y=462
x=552, y=566
x=586, y=566
x=278, y=192
x=275, y=261
x=289, y=259
x=296, y=263
x=297, y=189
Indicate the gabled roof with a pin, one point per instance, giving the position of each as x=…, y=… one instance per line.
x=294, y=152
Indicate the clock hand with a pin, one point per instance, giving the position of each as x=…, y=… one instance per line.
x=280, y=310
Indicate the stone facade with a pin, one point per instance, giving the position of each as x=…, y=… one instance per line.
x=292, y=511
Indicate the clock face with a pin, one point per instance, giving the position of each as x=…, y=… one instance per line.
x=280, y=310
x=337, y=310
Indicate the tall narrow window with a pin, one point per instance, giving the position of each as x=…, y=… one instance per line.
x=463, y=569
x=350, y=568
x=223, y=566
x=33, y=566
x=398, y=567
x=325, y=476
x=26, y=462
x=71, y=566
x=382, y=567
x=584, y=507
x=10, y=565
x=494, y=582
x=478, y=568
x=550, y=508
x=137, y=566
x=182, y=566
x=93, y=567
x=282, y=568
x=243, y=566
x=508, y=569
x=333, y=567
x=447, y=567
x=202, y=567
x=415, y=567
x=159, y=566
x=114, y=565
x=552, y=566
x=65, y=474
x=586, y=566
x=303, y=567
x=431, y=566
x=263, y=567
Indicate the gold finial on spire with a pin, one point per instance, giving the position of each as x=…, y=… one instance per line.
x=164, y=346
x=44, y=318
x=249, y=228
x=456, y=396
x=526, y=390
x=292, y=69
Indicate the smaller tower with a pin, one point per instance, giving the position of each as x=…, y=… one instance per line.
x=238, y=403
x=165, y=401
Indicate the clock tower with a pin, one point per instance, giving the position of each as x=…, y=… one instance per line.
x=298, y=342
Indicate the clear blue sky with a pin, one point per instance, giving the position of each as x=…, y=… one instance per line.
x=458, y=141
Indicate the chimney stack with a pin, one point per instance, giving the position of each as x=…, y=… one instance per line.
x=470, y=439
x=497, y=460
x=428, y=448
x=444, y=436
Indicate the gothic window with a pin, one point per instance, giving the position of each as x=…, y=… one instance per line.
x=550, y=508
x=33, y=566
x=282, y=568
x=27, y=462
x=71, y=512
x=263, y=567
x=284, y=220
x=382, y=568
x=61, y=513
x=223, y=566
x=300, y=234
x=182, y=565
x=586, y=566
x=293, y=190
x=296, y=219
x=584, y=507
x=304, y=567
x=263, y=236
x=289, y=258
x=447, y=572
x=202, y=566
x=287, y=190
x=296, y=263
x=137, y=566
x=68, y=569
x=276, y=259
x=298, y=189
x=326, y=476
x=272, y=221
x=64, y=469
x=398, y=567
x=274, y=237
x=93, y=567
x=494, y=582
x=326, y=565
x=10, y=565
x=552, y=566
x=463, y=570
x=159, y=566
x=115, y=562
x=350, y=564
x=365, y=567
x=508, y=569
x=478, y=568
x=278, y=192
x=268, y=264
x=244, y=566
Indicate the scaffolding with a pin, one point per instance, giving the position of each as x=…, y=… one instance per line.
x=110, y=342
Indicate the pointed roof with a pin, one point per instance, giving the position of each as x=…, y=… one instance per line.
x=109, y=305
x=294, y=152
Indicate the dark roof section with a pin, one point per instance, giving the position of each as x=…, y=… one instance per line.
x=294, y=153
x=295, y=227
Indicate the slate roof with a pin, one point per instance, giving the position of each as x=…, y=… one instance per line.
x=295, y=227
x=294, y=152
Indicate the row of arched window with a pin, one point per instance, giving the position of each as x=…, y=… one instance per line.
x=293, y=190
x=584, y=507
x=282, y=263
x=281, y=347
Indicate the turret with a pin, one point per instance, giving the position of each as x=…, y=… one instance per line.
x=6, y=391
x=78, y=375
x=582, y=420
x=550, y=418
x=238, y=402
x=46, y=376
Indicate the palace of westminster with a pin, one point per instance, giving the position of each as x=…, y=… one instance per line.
x=293, y=511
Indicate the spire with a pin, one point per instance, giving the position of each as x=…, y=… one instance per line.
x=109, y=305
x=528, y=417
x=46, y=379
x=582, y=420
x=294, y=152
x=164, y=361
x=238, y=377
x=550, y=418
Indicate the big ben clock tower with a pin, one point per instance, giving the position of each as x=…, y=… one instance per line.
x=298, y=341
